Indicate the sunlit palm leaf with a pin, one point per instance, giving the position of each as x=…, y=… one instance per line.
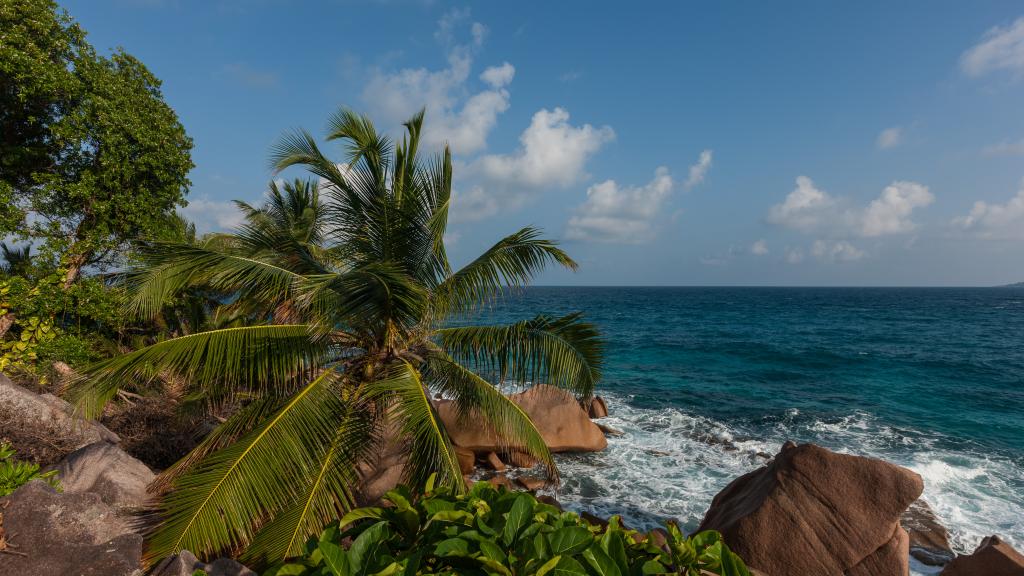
x=169, y=268
x=217, y=506
x=565, y=352
x=326, y=493
x=430, y=450
x=250, y=358
x=512, y=262
x=475, y=397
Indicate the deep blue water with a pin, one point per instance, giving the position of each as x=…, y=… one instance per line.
x=931, y=378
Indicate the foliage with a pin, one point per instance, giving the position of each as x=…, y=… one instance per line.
x=341, y=297
x=16, y=473
x=496, y=532
x=91, y=156
x=51, y=323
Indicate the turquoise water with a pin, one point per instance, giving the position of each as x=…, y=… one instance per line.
x=706, y=381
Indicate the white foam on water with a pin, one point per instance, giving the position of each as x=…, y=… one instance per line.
x=669, y=464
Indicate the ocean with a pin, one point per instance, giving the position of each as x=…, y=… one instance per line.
x=705, y=382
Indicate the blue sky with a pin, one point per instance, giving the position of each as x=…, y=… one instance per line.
x=707, y=143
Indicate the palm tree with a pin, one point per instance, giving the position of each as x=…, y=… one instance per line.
x=360, y=321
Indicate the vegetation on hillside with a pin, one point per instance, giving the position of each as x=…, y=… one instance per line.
x=495, y=532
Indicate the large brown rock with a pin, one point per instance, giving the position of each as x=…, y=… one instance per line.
x=47, y=417
x=598, y=408
x=557, y=415
x=929, y=539
x=992, y=557
x=56, y=534
x=812, y=512
x=119, y=479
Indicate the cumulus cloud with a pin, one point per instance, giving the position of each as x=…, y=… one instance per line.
x=1001, y=48
x=455, y=114
x=810, y=209
x=890, y=213
x=1005, y=148
x=613, y=213
x=794, y=255
x=806, y=208
x=211, y=215
x=698, y=170
x=995, y=221
x=552, y=153
x=759, y=248
x=889, y=138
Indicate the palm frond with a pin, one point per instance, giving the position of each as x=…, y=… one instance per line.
x=168, y=268
x=250, y=358
x=430, y=450
x=326, y=493
x=512, y=262
x=565, y=352
x=475, y=398
x=219, y=505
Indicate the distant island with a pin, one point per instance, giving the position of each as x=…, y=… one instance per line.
x=1014, y=285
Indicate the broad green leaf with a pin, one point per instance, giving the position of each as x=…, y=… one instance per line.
x=653, y=567
x=548, y=566
x=492, y=550
x=599, y=560
x=452, y=547
x=359, y=514
x=365, y=547
x=568, y=567
x=517, y=517
x=570, y=540
x=335, y=558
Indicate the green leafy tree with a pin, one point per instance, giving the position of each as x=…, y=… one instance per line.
x=91, y=157
x=349, y=334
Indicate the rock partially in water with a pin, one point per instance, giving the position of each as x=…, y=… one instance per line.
x=929, y=539
x=104, y=469
x=814, y=512
x=55, y=534
x=993, y=557
x=555, y=412
x=598, y=408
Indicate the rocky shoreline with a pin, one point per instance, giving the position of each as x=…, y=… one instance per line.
x=807, y=511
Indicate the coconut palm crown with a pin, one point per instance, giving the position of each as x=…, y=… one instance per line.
x=356, y=321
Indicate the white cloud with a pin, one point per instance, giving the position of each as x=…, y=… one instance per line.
x=212, y=215
x=698, y=170
x=621, y=214
x=890, y=213
x=455, y=115
x=499, y=76
x=552, y=154
x=1005, y=148
x=889, y=138
x=810, y=209
x=1001, y=48
x=806, y=208
x=841, y=251
x=759, y=248
x=996, y=221
x=794, y=255
x=570, y=76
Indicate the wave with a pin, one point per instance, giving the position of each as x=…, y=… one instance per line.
x=668, y=464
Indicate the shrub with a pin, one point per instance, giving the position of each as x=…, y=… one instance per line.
x=492, y=531
x=16, y=473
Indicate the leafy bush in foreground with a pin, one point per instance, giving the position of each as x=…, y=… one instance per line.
x=496, y=532
x=14, y=473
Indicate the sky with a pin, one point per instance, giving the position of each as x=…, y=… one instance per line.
x=662, y=143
